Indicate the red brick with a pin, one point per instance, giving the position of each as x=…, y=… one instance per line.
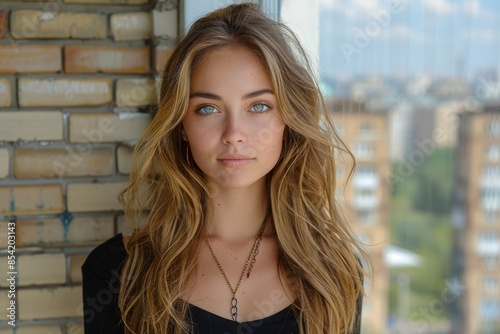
x=3, y=23
x=93, y=59
x=30, y=59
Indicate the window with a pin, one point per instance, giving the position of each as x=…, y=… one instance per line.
x=494, y=128
x=366, y=129
x=490, y=309
x=339, y=127
x=363, y=150
x=365, y=199
x=490, y=284
x=488, y=243
x=491, y=216
x=366, y=217
x=491, y=261
x=366, y=177
x=493, y=153
x=491, y=199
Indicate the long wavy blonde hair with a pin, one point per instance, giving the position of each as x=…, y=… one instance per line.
x=318, y=250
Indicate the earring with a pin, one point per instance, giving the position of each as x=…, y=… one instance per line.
x=187, y=156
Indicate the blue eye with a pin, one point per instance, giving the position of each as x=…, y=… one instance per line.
x=260, y=108
x=207, y=110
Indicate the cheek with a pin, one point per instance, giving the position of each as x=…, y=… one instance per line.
x=270, y=134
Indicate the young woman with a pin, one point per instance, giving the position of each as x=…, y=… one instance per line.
x=234, y=180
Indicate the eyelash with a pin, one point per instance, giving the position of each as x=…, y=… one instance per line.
x=266, y=109
x=199, y=110
x=262, y=104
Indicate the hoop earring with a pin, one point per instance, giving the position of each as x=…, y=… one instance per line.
x=187, y=156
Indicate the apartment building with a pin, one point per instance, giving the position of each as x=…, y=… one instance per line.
x=366, y=196
x=476, y=222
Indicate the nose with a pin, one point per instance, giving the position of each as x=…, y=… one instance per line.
x=234, y=130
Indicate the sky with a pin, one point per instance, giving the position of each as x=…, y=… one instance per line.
x=439, y=38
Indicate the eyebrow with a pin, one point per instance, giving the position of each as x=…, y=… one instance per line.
x=247, y=96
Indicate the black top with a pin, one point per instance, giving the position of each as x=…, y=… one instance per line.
x=101, y=282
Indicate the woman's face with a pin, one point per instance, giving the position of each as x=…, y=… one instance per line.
x=233, y=125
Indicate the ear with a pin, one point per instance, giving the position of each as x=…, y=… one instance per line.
x=183, y=133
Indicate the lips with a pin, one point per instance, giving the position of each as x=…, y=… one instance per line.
x=234, y=160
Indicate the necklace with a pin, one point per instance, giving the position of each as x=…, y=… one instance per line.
x=247, y=268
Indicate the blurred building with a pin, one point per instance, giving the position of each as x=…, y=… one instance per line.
x=476, y=222
x=367, y=196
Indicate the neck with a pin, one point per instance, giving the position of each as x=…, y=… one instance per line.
x=236, y=214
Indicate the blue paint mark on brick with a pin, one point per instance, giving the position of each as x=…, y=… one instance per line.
x=66, y=218
x=40, y=198
x=12, y=200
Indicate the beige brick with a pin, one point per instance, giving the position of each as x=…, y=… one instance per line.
x=87, y=197
x=165, y=23
x=79, y=161
x=31, y=125
x=51, y=232
x=23, y=329
x=58, y=302
x=3, y=23
x=135, y=92
x=161, y=55
x=33, y=24
x=40, y=269
x=124, y=157
x=93, y=59
x=4, y=298
x=4, y=163
x=31, y=199
x=64, y=92
x=75, y=272
x=30, y=59
x=110, y=2
x=5, y=93
x=75, y=328
x=107, y=127
x=123, y=226
x=131, y=26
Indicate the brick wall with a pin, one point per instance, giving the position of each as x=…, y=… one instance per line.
x=77, y=78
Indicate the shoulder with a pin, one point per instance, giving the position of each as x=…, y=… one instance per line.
x=107, y=258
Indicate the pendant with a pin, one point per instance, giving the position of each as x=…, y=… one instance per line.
x=234, y=308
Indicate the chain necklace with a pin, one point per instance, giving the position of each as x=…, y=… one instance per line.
x=248, y=268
